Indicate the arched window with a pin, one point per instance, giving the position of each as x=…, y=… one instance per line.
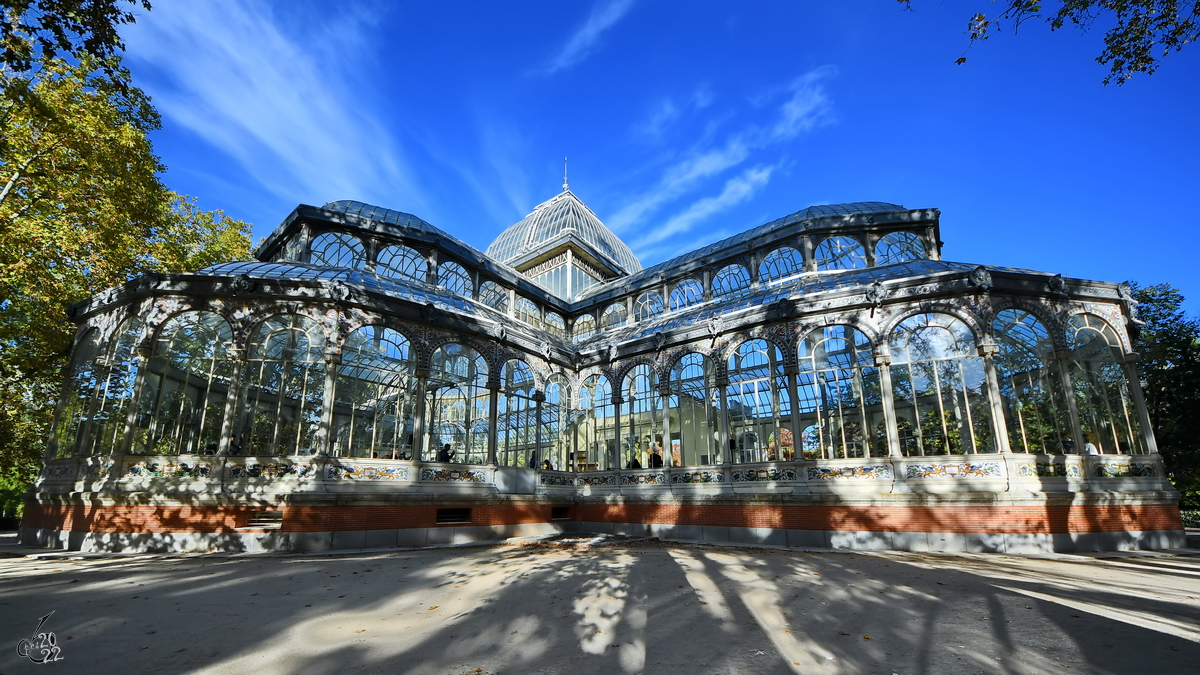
x=1106, y=410
x=401, y=262
x=641, y=416
x=282, y=391
x=454, y=278
x=730, y=282
x=939, y=387
x=595, y=427
x=897, y=247
x=337, y=249
x=839, y=253
x=555, y=325
x=182, y=403
x=516, y=423
x=525, y=310
x=493, y=295
x=458, y=381
x=781, y=263
x=373, y=396
x=759, y=405
x=614, y=316
x=110, y=410
x=695, y=412
x=841, y=405
x=78, y=394
x=686, y=293
x=585, y=325
x=555, y=441
x=647, y=306
x=1031, y=391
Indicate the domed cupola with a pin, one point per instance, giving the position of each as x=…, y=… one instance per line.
x=564, y=247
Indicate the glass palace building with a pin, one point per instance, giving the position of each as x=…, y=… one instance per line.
x=825, y=379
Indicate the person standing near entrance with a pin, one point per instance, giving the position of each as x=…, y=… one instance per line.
x=445, y=454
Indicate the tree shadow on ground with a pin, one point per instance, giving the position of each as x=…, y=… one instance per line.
x=639, y=607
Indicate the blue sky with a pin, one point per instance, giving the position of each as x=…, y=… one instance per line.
x=684, y=121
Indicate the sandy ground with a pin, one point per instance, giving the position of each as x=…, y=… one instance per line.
x=633, y=607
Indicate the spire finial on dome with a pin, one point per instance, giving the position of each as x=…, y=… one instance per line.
x=564, y=174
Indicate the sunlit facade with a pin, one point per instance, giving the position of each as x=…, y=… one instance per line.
x=830, y=357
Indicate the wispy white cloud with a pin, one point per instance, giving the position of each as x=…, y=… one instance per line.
x=585, y=40
x=737, y=189
x=806, y=107
x=278, y=103
x=665, y=112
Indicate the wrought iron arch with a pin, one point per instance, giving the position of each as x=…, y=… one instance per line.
x=1055, y=323
x=970, y=319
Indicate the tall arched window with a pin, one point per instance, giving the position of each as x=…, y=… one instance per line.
x=78, y=395
x=759, y=405
x=839, y=253
x=525, y=310
x=1106, y=409
x=781, y=263
x=614, y=316
x=686, y=293
x=647, y=306
x=585, y=325
x=730, y=282
x=516, y=423
x=493, y=295
x=555, y=415
x=282, y=390
x=401, y=262
x=641, y=416
x=454, y=278
x=939, y=387
x=595, y=426
x=337, y=249
x=182, y=403
x=695, y=411
x=458, y=384
x=554, y=324
x=373, y=396
x=110, y=410
x=897, y=247
x=841, y=405
x=1031, y=391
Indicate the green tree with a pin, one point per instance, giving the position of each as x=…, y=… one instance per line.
x=1140, y=31
x=35, y=31
x=1169, y=343
x=82, y=208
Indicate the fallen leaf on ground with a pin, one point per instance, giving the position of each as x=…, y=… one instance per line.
x=843, y=632
x=433, y=607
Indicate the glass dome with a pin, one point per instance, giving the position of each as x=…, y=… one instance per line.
x=555, y=221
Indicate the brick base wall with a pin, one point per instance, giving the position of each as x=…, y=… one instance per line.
x=1028, y=519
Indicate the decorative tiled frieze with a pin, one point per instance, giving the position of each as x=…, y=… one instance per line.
x=643, y=479
x=556, y=480
x=956, y=470
x=698, y=477
x=453, y=475
x=60, y=471
x=872, y=471
x=350, y=472
x=757, y=475
x=1126, y=470
x=1049, y=470
x=272, y=470
x=169, y=470
x=607, y=480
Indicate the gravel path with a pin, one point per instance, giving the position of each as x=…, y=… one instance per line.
x=589, y=606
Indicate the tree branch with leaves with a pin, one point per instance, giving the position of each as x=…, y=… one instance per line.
x=1140, y=32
